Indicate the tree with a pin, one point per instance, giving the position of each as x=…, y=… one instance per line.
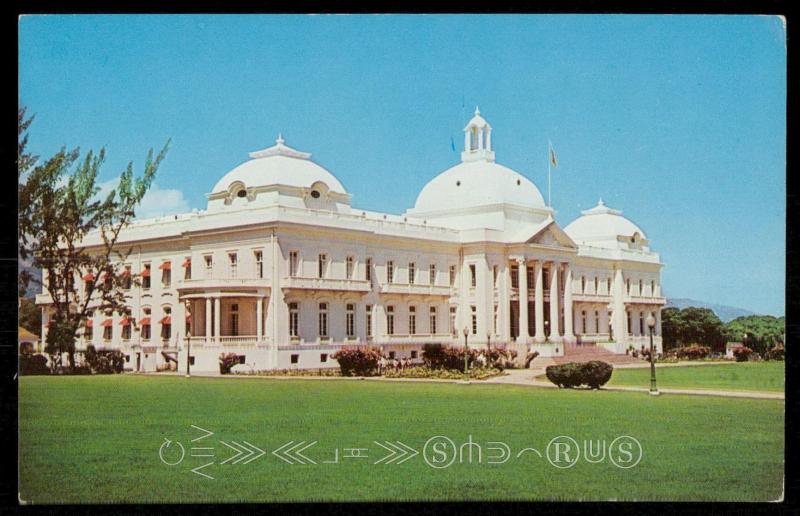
x=30, y=316
x=691, y=326
x=57, y=210
x=763, y=331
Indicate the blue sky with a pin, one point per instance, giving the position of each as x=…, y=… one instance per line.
x=677, y=120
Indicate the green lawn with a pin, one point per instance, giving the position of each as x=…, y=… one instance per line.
x=745, y=376
x=96, y=439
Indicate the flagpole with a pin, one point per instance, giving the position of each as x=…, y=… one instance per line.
x=549, y=146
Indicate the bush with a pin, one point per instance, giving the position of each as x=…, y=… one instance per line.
x=573, y=374
x=693, y=352
x=776, y=353
x=742, y=353
x=33, y=364
x=226, y=361
x=108, y=361
x=358, y=361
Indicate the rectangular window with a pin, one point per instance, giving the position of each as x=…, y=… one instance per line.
x=652, y=288
x=392, y=354
x=234, y=319
x=146, y=331
x=322, y=265
x=323, y=358
x=146, y=277
x=432, y=274
x=545, y=278
x=452, y=275
x=126, y=278
x=323, y=319
x=390, y=320
x=494, y=276
x=514, y=276
x=531, y=272
x=259, y=256
x=350, y=320
x=108, y=332
x=368, y=271
x=369, y=320
x=209, y=260
x=88, y=331
x=596, y=291
x=412, y=272
x=293, y=263
x=453, y=330
x=294, y=319
x=412, y=320
x=233, y=261
x=389, y=271
x=597, y=321
x=349, y=268
x=433, y=320
x=187, y=268
x=630, y=326
x=242, y=359
x=583, y=284
x=166, y=274
x=608, y=286
x=494, y=320
x=126, y=332
x=473, y=275
x=414, y=354
x=641, y=287
x=474, y=320
x=641, y=323
x=294, y=359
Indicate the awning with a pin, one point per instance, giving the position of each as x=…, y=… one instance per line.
x=166, y=320
x=146, y=272
x=88, y=277
x=187, y=263
x=165, y=266
x=88, y=323
x=125, y=322
x=145, y=321
x=126, y=273
x=107, y=323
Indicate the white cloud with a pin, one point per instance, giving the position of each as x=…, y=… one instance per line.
x=156, y=202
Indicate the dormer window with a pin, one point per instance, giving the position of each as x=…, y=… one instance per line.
x=241, y=193
x=315, y=194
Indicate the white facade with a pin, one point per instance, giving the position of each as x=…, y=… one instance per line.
x=282, y=270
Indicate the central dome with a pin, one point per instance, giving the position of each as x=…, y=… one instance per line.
x=478, y=183
x=278, y=165
x=477, y=180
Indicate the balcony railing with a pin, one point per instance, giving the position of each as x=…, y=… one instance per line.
x=650, y=300
x=417, y=289
x=227, y=340
x=417, y=338
x=206, y=283
x=334, y=284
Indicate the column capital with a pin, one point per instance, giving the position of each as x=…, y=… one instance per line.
x=521, y=260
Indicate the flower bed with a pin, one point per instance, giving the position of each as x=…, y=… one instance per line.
x=475, y=373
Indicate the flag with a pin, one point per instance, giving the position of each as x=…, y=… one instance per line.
x=553, y=159
x=452, y=144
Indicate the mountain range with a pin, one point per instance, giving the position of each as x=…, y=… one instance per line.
x=725, y=313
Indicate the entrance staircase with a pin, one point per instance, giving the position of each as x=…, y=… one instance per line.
x=586, y=353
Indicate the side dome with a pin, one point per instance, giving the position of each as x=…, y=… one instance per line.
x=277, y=165
x=605, y=227
x=477, y=183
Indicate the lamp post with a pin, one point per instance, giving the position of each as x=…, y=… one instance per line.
x=188, y=345
x=651, y=324
x=466, y=355
x=489, y=340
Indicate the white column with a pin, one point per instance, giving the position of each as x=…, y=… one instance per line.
x=658, y=321
x=619, y=319
x=217, y=318
x=522, y=281
x=539, y=303
x=488, y=139
x=555, y=313
x=466, y=140
x=208, y=319
x=480, y=139
x=569, y=322
x=259, y=318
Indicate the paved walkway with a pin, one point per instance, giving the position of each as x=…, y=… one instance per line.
x=528, y=377
x=524, y=377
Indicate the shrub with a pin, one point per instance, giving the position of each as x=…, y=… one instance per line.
x=574, y=374
x=742, y=353
x=358, y=361
x=776, y=353
x=693, y=352
x=596, y=373
x=33, y=364
x=107, y=361
x=433, y=355
x=226, y=361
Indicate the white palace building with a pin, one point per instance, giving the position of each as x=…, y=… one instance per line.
x=282, y=270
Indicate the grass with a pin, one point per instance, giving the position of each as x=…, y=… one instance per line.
x=745, y=376
x=96, y=439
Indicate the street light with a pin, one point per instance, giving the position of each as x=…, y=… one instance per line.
x=489, y=340
x=188, y=344
x=651, y=323
x=466, y=355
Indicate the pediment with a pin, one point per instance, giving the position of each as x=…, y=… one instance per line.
x=551, y=235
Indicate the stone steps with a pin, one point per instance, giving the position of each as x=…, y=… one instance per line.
x=586, y=353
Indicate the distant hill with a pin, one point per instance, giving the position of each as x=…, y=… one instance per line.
x=725, y=313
